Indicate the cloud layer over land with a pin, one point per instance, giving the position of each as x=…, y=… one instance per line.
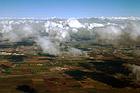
x=50, y=33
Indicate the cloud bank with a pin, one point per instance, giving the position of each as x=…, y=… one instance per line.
x=51, y=33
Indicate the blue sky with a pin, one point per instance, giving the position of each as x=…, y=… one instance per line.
x=69, y=8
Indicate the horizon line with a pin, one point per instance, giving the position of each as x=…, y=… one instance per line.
x=71, y=17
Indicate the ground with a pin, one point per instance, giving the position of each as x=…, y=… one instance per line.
x=102, y=71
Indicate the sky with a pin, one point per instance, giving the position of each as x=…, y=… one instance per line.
x=69, y=8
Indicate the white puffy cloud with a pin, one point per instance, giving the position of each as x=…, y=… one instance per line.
x=52, y=32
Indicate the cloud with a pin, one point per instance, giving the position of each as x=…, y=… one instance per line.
x=74, y=23
x=47, y=46
x=50, y=34
x=135, y=73
x=76, y=52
